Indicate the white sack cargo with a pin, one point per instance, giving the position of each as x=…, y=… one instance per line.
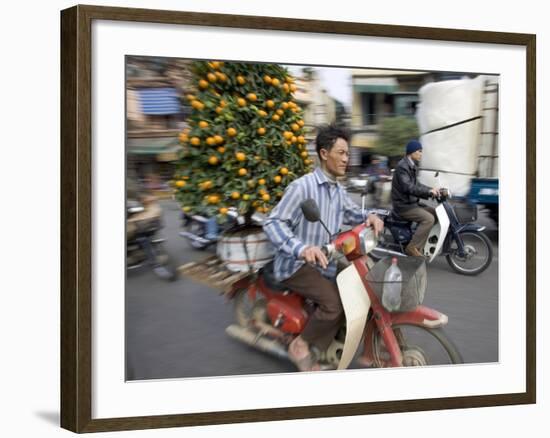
x=245, y=249
x=449, y=121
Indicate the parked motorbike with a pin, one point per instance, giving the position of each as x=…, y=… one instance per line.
x=269, y=316
x=143, y=245
x=455, y=235
x=201, y=233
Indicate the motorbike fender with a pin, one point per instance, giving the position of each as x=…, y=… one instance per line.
x=455, y=235
x=356, y=304
x=439, y=230
x=470, y=227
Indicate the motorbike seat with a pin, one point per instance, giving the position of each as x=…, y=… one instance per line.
x=395, y=219
x=270, y=280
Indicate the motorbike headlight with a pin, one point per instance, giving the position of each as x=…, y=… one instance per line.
x=368, y=240
x=348, y=245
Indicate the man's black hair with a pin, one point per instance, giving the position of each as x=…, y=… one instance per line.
x=327, y=136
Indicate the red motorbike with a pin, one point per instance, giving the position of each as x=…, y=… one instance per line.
x=269, y=316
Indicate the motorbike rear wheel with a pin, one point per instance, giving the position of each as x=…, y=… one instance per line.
x=478, y=257
x=420, y=346
x=247, y=311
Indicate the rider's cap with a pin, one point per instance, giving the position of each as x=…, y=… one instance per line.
x=413, y=146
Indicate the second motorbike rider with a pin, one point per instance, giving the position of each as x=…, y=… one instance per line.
x=406, y=193
x=299, y=262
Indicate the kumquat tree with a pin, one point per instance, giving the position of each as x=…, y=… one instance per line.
x=245, y=141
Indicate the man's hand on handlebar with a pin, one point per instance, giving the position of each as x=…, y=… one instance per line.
x=435, y=193
x=375, y=222
x=314, y=255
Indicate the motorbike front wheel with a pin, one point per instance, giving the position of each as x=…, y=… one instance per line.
x=478, y=254
x=420, y=346
x=162, y=266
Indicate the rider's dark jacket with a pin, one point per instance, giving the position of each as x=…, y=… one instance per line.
x=406, y=191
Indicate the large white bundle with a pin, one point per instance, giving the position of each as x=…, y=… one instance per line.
x=451, y=151
x=245, y=249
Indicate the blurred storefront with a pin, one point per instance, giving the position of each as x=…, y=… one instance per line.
x=155, y=116
x=378, y=94
x=151, y=158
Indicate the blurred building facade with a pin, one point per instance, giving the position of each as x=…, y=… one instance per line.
x=319, y=107
x=155, y=115
x=156, y=112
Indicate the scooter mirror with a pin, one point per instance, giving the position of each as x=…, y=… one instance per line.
x=311, y=210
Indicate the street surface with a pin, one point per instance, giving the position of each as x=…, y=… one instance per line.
x=178, y=329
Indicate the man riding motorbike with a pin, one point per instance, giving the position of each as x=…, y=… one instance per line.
x=299, y=262
x=406, y=193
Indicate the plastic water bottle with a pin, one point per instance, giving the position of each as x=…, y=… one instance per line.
x=391, y=293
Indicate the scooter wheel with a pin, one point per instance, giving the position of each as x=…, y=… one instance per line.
x=420, y=346
x=478, y=254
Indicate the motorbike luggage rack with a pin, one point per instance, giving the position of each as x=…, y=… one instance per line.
x=212, y=272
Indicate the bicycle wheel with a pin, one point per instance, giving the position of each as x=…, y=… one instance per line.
x=420, y=346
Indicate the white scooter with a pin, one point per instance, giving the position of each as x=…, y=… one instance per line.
x=454, y=234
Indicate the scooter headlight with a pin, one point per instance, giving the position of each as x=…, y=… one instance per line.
x=368, y=240
x=348, y=245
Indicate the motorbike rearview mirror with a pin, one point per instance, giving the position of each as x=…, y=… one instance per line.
x=311, y=210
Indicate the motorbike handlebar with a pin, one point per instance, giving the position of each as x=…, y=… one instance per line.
x=441, y=196
x=328, y=250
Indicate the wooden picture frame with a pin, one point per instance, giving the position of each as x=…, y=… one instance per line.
x=76, y=217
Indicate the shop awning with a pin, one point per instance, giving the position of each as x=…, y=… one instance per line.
x=159, y=101
x=375, y=88
x=163, y=148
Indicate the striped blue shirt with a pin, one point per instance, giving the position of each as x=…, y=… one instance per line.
x=290, y=232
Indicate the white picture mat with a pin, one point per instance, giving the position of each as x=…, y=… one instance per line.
x=112, y=397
